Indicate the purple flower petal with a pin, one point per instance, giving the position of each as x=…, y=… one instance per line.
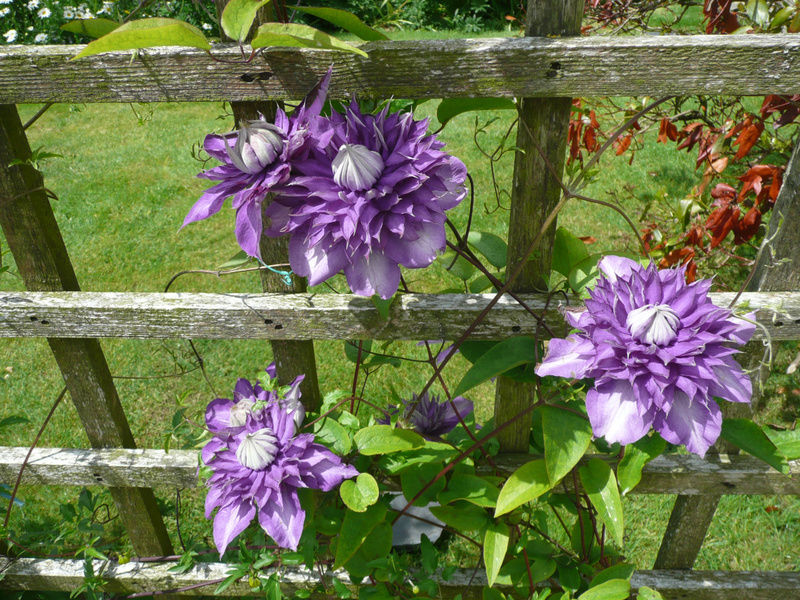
x=614, y=413
x=695, y=424
x=283, y=518
x=231, y=520
x=571, y=358
x=218, y=414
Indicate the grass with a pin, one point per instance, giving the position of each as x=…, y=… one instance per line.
x=124, y=185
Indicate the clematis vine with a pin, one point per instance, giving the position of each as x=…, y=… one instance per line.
x=659, y=352
x=370, y=200
x=430, y=417
x=259, y=461
x=255, y=160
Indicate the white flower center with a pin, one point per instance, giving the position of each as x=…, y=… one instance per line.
x=356, y=167
x=257, y=146
x=257, y=450
x=239, y=412
x=653, y=324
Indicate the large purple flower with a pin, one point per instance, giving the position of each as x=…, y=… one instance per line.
x=371, y=199
x=259, y=461
x=256, y=159
x=659, y=352
x=431, y=418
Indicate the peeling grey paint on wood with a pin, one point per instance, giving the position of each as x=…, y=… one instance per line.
x=317, y=316
x=487, y=67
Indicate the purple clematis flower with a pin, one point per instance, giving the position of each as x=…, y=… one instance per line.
x=370, y=200
x=256, y=159
x=259, y=461
x=430, y=418
x=659, y=352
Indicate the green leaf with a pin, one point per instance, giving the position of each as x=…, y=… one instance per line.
x=238, y=16
x=751, y=438
x=504, y=356
x=648, y=593
x=412, y=481
x=471, y=488
x=613, y=589
x=491, y=594
x=237, y=260
x=147, y=33
x=332, y=432
x=451, y=107
x=600, y=485
x=566, y=438
x=758, y=11
x=355, y=529
x=781, y=17
x=299, y=36
x=457, y=265
x=360, y=494
x=524, y=485
x=345, y=20
x=618, y=571
x=93, y=28
x=495, y=546
x=351, y=349
x=384, y=439
x=13, y=420
x=383, y=306
x=491, y=246
x=637, y=455
x=462, y=516
x=472, y=350
x=787, y=442
x=584, y=274
x=568, y=251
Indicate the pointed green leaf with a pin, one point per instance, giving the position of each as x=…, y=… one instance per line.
x=457, y=265
x=237, y=260
x=568, y=251
x=618, y=571
x=566, y=438
x=648, y=593
x=93, y=28
x=332, y=433
x=748, y=436
x=345, y=20
x=506, y=355
x=382, y=305
x=462, y=516
x=495, y=546
x=471, y=488
x=637, y=455
x=491, y=246
x=600, y=485
x=238, y=16
x=452, y=107
x=360, y=494
x=299, y=36
x=584, y=274
x=525, y=484
x=147, y=33
x=787, y=442
x=355, y=529
x=384, y=439
x=413, y=481
x=613, y=589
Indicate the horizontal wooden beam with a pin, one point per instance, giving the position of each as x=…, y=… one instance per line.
x=317, y=316
x=137, y=577
x=488, y=67
x=667, y=474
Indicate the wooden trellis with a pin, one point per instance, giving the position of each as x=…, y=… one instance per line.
x=545, y=71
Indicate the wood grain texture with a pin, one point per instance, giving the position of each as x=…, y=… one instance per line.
x=667, y=474
x=487, y=67
x=132, y=577
x=35, y=241
x=316, y=316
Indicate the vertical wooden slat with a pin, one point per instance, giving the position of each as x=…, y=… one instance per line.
x=35, y=241
x=777, y=270
x=292, y=358
x=542, y=128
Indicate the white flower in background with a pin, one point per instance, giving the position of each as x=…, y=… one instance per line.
x=29, y=28
x=69, y=12
x=206, y=26
x=40, y=38
x=33, y=4
x=106, y=10
x=43, y=13
x=5, y=1
x=10, y=35
x=4, y=11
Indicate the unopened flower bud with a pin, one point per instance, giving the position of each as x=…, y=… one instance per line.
x=356, y=167
x=653, y=324
x=257, y=449
x=258, y=144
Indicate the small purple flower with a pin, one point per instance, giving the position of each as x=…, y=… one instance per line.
x=659, y=352
x=430, y=418
x=371, y=199
x=259, y=461
x=256, y=159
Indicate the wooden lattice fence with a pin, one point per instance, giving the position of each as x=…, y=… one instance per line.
x=546, y=72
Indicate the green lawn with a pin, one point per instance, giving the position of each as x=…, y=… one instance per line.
x=124, y=184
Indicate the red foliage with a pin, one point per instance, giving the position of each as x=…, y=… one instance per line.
x=787, y=107
x=750, y=134
x=667, y=131
x=720, y=16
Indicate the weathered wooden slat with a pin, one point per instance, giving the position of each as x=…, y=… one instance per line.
x=521, y=67
x=133, y=577
x=315, y=316
x=669, y=474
